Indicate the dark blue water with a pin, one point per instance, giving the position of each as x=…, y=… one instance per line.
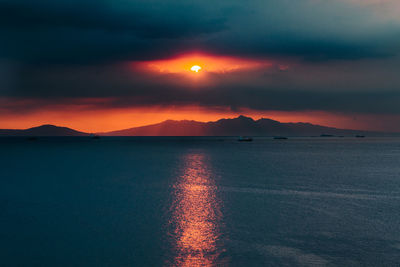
x=199, y=202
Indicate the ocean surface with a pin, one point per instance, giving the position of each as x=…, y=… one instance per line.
x=199, y=202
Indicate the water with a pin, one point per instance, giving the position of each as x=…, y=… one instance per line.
x=199, y=202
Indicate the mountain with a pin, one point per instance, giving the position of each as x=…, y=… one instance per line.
x=234, y=127
x=241, y=125
x=44, y=130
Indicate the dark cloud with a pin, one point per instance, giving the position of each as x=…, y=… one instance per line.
x=149, y=19
x=268, y=89
x=236, y=99
x=88, y=31
x=143, y=19
x=91, y=31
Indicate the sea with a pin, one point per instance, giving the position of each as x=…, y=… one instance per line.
x=199, y=201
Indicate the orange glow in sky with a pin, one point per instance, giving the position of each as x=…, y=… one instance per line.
x=196, y=63
x=89, y=118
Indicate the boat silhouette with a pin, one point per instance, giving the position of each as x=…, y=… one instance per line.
x=245, y=139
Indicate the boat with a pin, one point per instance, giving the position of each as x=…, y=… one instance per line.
x=245, y=139
x=280, y=138
x=95, y=136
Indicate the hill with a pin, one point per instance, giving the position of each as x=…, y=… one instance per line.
x=43, y=130
x=233, y=127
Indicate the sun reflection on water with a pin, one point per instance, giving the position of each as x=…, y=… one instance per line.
x=196, y=215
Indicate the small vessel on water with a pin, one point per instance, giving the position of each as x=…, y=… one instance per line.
x=245, y=139
x=280, y=138
x=326, y=135
x=95, y=136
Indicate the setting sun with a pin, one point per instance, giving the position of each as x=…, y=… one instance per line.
x=195, y=68
x=198, y=62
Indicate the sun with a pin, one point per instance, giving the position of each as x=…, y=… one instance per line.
x=195, y=68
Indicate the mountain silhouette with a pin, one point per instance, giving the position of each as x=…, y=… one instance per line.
x=43, y=130
x=240, y=126
x=232, y=127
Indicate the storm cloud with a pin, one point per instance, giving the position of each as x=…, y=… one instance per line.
x=91, y=31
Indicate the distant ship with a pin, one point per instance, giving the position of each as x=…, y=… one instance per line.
x=326, y=135
x=280, y=137
x=245, y=139
x=95, y=136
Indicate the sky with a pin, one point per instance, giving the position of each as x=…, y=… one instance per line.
x=102, y=65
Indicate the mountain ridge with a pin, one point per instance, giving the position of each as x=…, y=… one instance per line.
x=240, y=125
x=43, y=130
